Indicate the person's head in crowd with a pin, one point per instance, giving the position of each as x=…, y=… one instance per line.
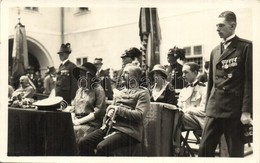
x=30, y=70
x=226, y=24
x=85, y=75
x=159, y=74
x=64, y=51
x=98, y=63
x=24, y=81
x=131, y=75
x=174, y=54
x=130, y=55
x=190, y=71
x=51, y=71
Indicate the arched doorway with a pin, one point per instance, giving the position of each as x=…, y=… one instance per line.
x=38, y=56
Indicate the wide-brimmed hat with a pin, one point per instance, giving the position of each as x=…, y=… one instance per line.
x=87, y=67
x=65, y=48
x=98, y=61
x=159, y=68
x=132, y=52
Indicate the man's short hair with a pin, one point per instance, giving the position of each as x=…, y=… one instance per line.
x=229, y=16
x=193, y=66
x=137, y=70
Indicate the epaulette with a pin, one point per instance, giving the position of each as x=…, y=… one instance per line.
x=202, y=84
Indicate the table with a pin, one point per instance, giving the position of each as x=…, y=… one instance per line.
x=40, y=133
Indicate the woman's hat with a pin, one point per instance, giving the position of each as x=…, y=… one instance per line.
x=65, y=48
x=159, y=68
x=98, y=61
x=87, y=67
x=177, y=53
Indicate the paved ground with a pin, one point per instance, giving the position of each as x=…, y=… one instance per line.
x=248, y=148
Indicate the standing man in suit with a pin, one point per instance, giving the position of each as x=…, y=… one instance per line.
x=66, y=84
x=229, y=95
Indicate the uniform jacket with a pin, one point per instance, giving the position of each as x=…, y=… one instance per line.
x=134, y=104
x=66, y=84
x=193, y=98
x=230, y=80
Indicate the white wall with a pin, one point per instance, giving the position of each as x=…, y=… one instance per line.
x=104, y=32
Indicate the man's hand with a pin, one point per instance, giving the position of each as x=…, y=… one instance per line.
x=246, y=118
x=110, y=110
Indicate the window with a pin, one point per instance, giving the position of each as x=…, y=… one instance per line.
x=197, y=60
x=82, y=10
x=80, y=61
x=197, y=50
x=85, y=59
x=34, y=9
x=187, y=51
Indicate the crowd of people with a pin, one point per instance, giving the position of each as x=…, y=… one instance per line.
x=217, y=101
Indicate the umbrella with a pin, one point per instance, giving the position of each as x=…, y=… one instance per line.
x=150, y=35
x=20, y=52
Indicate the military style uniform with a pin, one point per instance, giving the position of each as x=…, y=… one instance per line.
x=66, y=84
x=229, y=94
x=193, y=97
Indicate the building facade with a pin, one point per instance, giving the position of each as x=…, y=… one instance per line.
x=106, y=32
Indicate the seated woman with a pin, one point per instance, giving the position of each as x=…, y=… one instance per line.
x=88, y=106
x=123, y=123
x=26, y=89
x=162, y=90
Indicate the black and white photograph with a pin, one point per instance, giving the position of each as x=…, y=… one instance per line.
x=121, y=80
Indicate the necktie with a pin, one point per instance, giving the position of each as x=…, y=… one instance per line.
x=224, y=44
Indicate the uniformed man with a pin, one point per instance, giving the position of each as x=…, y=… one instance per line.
x=229, y=94
x=192, y=98
x=66, y=84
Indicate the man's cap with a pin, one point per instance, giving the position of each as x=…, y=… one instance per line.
x=64, y=48
x=132, y=52
x=51, y=103
x=98, y=61
x=87, y=67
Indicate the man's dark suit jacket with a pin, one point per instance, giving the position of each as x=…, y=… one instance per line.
x=230, y=80
x=66, y=84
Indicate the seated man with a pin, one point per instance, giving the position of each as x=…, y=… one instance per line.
x=123, y=122
x=26, y=89
x=192, y=98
